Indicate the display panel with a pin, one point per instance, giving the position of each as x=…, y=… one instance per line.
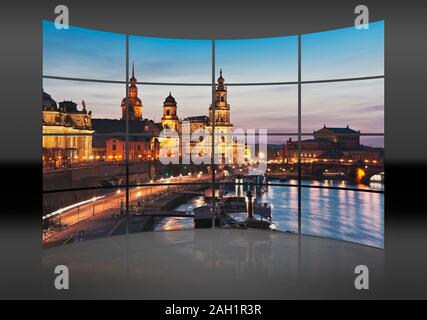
x=164, y=60
x=83, y=53
x=356, y=104
x=259, y=60
x=168, y=149
x=80, y=121
x=343, y=53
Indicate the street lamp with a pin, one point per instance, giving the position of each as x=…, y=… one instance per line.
x=138, y=197
x=118, y=196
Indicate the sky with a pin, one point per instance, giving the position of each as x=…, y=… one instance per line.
x=341, y=53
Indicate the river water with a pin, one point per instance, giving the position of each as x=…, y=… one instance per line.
x=349, y=215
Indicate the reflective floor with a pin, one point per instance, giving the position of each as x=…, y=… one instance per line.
x=213, y=264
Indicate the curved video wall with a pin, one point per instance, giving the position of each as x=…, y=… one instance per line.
x=283, y=134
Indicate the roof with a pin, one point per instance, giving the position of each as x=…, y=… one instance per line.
x=337, y=130
x=197, y=118
x=70, y=107
x=49, y=103
x=115, y=126
x=101, y=141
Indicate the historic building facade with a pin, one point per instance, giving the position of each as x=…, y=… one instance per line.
x=134, y=102
x=140, y=148
x=227, y=148
x=220, y=111
x=170, y=118
x=109, y=144
x=333, y=145
x=67, y=133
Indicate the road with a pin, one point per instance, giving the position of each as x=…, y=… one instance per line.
x=101, y=217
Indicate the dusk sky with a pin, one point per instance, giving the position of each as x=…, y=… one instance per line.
x=332, y=54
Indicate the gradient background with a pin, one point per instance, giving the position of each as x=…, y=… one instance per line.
x=405, y=113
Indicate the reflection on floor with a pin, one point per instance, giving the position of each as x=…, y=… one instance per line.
x=214, y=264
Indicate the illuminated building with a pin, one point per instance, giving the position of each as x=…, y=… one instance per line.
x=170, y=119
x=113, y=129
x=223, y=126
x=134, y=103
x=343, y=137
x=226, y=147
x=139, y=149
x=67, y=133
x=331, y=145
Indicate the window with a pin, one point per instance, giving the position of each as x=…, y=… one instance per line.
x=319, y=170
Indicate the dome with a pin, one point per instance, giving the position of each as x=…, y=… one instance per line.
x=170, y=100
x=220, y=79
x=49, y=103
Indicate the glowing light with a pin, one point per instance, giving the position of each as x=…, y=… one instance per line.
x=360, y=173
x=75, y=205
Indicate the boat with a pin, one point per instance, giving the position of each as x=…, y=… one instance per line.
x=203, y=218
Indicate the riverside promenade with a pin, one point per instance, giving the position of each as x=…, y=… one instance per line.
x=105, y=216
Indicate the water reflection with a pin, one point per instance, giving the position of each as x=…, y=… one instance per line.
x=341, y=214
x=344, y=214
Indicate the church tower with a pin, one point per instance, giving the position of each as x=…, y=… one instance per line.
x=223, y=127
x=135, y=104
x=170, y=119
x=222, y=108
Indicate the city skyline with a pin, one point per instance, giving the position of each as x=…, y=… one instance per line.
x=84, y=137
x=359, y=104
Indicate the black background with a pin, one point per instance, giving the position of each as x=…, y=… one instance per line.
x=405, y=111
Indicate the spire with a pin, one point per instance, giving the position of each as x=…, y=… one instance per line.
x=220, y=79
x=133, y=79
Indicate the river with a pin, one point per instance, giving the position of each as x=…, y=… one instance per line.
x=349, y=215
